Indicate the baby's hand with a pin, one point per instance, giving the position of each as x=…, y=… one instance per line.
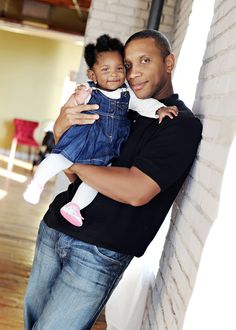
x=82, y=92
x=171, y=112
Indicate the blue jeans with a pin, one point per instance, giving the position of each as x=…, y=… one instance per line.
x=70, y=282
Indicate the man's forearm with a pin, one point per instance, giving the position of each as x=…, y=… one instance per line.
x=126, y=185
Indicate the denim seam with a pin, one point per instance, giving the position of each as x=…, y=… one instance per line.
x=96, y=250
x=109, y=291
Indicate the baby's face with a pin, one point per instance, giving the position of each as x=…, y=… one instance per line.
x=109, y=70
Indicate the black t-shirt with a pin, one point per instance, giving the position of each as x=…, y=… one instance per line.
x=165, y=152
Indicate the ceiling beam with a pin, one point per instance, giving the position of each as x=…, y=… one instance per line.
x=84, y=5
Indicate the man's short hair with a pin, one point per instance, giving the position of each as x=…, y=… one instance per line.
x=160, y=39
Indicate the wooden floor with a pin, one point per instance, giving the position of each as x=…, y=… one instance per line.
x=18, y=228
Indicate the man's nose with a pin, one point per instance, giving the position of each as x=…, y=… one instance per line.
x=133, y=72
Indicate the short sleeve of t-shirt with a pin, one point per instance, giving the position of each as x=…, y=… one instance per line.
x=171, y=151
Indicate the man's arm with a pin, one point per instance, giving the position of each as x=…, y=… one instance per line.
x=126, y=185
x=165, y=158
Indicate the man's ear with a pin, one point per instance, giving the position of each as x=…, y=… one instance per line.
x=91, y=75
x=170, y=62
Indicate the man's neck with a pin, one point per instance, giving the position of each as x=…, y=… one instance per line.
x=165, y=92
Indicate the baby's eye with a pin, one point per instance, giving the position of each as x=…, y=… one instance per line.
x=104, y=69
x=120, y=68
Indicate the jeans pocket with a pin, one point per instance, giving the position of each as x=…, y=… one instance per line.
x=111, y=256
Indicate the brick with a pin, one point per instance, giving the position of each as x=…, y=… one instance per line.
x=93, y=24
x=168, y=10
x=168, y=20
x=170, y=3
x=188, y=237
x=207, y=176
x=104, y=16
x=168, y=312
x=120, y=10
x=134, y=21
x=115, y=28
x=182, y=287
x=101, y=5
x=141, y=4
x=187, y=264
x=144, y=14
x=199, y=221
x=215, y=154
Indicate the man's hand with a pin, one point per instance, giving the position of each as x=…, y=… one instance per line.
x=72, y=114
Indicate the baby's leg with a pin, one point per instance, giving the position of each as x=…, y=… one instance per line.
x=82, y=198
x=84, y=195
x=49, y=167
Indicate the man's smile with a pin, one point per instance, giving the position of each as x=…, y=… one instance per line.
x=137, y=86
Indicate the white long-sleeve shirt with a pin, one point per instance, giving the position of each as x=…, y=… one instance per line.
x=145, y=107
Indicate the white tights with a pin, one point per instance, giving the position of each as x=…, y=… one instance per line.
x=55, y=163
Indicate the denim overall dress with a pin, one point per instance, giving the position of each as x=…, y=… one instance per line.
x=100, y=142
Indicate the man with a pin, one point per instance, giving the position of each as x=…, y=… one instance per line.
x=76, y=269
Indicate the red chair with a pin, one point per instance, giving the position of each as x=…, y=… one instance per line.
x=24, y=134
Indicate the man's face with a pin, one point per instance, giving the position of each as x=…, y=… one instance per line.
x=148, y=74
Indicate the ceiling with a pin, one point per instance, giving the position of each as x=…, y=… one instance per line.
x=66, y=16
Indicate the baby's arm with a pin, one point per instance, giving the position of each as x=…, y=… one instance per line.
x=151, y=108
x=167, y=111
x=82, y=93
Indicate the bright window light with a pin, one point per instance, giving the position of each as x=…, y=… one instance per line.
x=12, y=175
x=189, y=62
x=17, y=162
x=3, y=194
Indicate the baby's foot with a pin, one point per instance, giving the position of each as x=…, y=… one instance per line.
x=71, y=212
x=33, y=192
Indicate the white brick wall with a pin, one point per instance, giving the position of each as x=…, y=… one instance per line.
x=197, y=205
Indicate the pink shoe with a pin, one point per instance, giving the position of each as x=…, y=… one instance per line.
x=71, y=212
x=33, y=192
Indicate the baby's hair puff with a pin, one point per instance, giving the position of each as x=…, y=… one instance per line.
x=103, y=44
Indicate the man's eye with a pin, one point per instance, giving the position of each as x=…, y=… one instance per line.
x=127, y=66
x=145, y=60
